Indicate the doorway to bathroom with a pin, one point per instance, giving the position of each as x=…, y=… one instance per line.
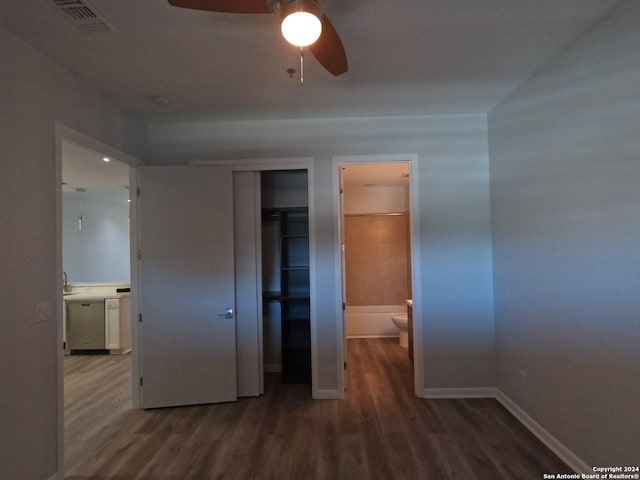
x=376, y=260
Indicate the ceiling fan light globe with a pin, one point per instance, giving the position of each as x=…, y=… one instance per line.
x=301, y=28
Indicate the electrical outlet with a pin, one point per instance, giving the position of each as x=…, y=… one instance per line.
x=44, y=312
x=523, y=379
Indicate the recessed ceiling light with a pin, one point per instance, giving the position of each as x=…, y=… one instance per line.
x=106, y=159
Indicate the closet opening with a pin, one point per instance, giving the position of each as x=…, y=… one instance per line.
x=286, y=300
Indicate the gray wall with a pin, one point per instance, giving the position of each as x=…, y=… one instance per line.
x=34, y=94
x=565, y=197
x=454, y=215
x=99, y=252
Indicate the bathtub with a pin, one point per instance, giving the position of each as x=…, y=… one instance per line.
x=372, y=320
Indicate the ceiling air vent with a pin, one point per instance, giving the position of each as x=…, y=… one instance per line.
x=83, y=15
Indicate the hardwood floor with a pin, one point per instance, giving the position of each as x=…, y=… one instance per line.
x=379, y=431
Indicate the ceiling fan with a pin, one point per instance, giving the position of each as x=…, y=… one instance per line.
x=303, y=24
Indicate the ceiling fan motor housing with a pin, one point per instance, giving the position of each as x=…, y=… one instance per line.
x=287, y=7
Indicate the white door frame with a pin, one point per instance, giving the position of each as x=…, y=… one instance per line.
x=416, y=277
x=62, y=132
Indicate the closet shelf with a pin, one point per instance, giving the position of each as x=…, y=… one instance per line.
x=278, y=297
x=296, y=235
x=294, y=294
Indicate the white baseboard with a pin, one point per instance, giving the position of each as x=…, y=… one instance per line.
x=567, y=456
x=326, y=395
x=552, y=443
x=481, y=392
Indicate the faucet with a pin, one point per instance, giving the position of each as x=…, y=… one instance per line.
x=65, y=280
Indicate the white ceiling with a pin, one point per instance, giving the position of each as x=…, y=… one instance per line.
x=85, y=168
x=405, y=57
x=375, y=175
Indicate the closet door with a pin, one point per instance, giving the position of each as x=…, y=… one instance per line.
x=246, y=211
x=187, y=333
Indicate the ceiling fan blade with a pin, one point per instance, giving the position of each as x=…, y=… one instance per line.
x=328, y=49
x=227, y=6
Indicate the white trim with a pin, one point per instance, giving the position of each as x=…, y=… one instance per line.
x=444, y=393
x=257, y=213
x=556, y=446
x=416, y=277
x=136, y=399
x=552, y=443
x=62, y=131
x=327, y=395
x=418, y=344
x=60, y=317
x=313, y=300
x=259, y=164
x=341, y=328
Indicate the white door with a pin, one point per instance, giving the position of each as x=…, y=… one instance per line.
x=187, y=336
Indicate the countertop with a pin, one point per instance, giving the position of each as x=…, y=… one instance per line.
x=94, y=293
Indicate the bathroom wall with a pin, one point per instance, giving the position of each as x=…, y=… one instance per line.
x=375, y=259
x=375, y=245
x=375, y=199
x=99, y=250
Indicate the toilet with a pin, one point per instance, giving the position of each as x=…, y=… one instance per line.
x=400, y=321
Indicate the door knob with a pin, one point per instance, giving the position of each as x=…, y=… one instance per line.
x=228, y=313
